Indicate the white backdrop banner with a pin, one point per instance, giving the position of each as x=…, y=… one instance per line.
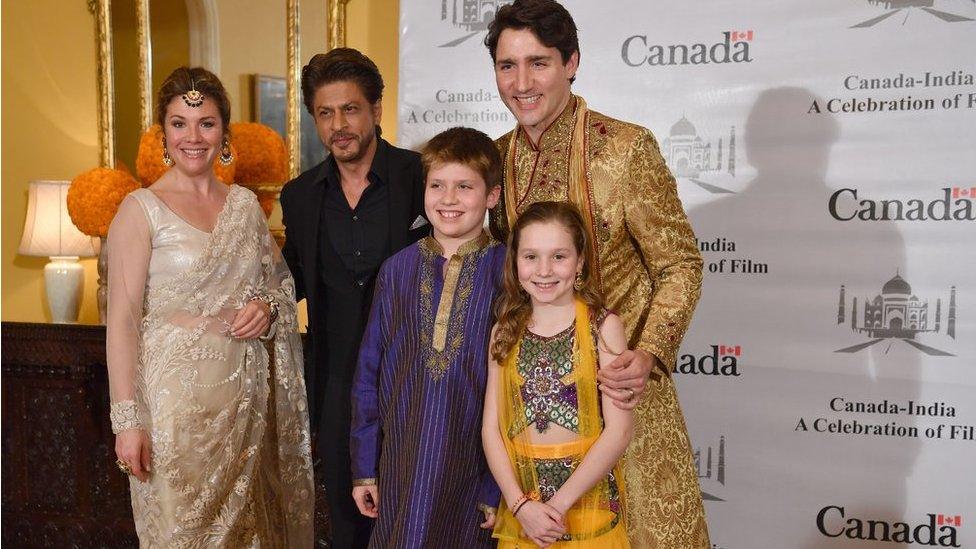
x=826, y=156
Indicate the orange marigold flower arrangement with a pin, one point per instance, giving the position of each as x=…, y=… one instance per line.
x=149, y=159
x=94, y=197
x=261, y=159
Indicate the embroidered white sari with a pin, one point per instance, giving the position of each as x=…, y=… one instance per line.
x=231, y=462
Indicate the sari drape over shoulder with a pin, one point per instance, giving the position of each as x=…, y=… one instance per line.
x=228, y=422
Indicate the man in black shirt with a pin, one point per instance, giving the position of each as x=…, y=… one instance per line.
x=342, y=219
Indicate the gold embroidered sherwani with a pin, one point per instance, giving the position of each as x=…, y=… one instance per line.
x=650, y=273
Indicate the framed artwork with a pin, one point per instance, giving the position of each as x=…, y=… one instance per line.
x=269, y=109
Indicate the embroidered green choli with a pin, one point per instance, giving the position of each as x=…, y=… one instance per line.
x=548, y=390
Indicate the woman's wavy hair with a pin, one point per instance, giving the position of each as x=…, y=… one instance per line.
x=514, y=306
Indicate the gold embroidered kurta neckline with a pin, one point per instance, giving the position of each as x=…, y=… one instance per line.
x=458, y=282
x=431, y=245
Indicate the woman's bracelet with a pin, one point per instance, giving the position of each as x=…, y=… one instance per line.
x=124, y=415
x=272, y=305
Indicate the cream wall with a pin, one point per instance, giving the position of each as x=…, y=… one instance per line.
x=252, y=40
x=49, y=114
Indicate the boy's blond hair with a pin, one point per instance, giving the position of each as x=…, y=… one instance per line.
x=468, y=147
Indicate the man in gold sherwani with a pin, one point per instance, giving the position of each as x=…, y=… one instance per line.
x=649, y=265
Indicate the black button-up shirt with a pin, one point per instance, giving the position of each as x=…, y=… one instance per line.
x=360, y=235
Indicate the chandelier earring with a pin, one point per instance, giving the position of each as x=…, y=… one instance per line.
x=578, y=283
x=226, y=155
x=167, y=160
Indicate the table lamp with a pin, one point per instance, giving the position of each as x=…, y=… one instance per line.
x=49, y=232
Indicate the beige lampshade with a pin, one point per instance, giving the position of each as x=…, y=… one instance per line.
x=48, y=230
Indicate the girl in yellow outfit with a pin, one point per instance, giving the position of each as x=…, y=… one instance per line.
x=552, y=441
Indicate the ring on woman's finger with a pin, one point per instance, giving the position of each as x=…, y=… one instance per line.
x=123, y=466
x=630, y=394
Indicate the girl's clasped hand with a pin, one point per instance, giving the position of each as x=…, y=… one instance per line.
x=541, y=523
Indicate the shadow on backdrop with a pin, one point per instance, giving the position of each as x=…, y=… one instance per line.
x=789, y=315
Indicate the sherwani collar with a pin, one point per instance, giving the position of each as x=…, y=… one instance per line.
x=559, y=133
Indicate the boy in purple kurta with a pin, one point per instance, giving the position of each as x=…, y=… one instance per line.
x=418, y=392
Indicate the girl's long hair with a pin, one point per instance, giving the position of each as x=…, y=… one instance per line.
x=514, y=306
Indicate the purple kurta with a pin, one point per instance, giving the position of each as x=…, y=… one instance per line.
x=418, y=394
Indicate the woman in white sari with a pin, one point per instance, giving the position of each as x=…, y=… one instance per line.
x=214, y=437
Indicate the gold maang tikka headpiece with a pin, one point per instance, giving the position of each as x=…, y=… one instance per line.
x=193, y=98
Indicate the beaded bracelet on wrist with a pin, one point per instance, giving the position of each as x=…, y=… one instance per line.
x=520, y=502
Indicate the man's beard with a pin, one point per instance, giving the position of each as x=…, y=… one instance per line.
x=364, y=144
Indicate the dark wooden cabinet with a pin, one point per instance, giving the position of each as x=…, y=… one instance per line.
x=61, y=487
